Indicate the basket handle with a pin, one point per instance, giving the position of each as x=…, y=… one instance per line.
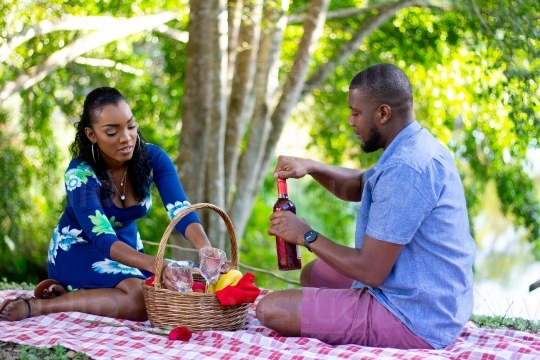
x=176, y=219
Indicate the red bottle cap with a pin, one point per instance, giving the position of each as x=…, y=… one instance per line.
x=282, y=186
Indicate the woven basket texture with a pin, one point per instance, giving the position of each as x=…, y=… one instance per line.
x=194, y=310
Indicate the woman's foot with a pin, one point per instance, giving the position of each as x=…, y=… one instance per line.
x=15, y=309
x=49, y=289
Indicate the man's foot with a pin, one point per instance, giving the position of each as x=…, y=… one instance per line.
x=15, y=309
x=49, y=289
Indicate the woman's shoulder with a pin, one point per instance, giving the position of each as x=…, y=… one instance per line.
x=78, y=163
x=151, y=148
x=155, y=153
x=79, y=171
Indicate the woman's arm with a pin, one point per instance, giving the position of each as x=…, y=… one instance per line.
x=196, y=235
x=125, y=254
x=174, y=198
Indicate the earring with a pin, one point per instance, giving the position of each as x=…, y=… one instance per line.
x=93, y=156
x=139, y=141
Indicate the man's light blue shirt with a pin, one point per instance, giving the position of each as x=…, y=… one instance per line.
x=413, y=196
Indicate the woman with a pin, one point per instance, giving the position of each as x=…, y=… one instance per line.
x=96, y=248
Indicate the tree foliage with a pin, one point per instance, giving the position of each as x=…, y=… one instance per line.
x=215, y=82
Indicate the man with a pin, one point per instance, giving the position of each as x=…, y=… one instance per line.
x=413, y=255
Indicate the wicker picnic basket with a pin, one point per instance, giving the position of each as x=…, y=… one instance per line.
x=194, y=310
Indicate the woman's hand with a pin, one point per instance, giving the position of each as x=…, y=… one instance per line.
x=166, y=276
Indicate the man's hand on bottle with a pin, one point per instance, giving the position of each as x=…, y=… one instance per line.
x=291, y=167
x=288, y=226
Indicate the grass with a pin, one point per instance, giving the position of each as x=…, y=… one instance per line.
x=10, y=350
x=502, y=322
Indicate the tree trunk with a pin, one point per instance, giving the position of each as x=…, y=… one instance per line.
x=256, y=158
x=197, y=102
x=240, y=150
x=215, y=168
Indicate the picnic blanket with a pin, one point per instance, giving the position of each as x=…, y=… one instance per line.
x=94, y=336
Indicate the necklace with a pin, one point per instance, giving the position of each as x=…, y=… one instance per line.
x=122, y=183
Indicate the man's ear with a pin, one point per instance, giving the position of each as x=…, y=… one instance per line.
x=90, y=135
x=385, y=112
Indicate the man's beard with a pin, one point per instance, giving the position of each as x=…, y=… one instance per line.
x=372, y=144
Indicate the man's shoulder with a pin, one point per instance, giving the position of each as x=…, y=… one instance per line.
x=419, y=150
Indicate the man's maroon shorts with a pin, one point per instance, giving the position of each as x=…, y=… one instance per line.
x=350, y=316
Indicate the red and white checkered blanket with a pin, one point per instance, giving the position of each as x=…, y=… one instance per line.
x=100, y=341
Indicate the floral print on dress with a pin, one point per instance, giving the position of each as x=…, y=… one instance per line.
x=102, y=224
x=75, y=177
x=140, y=245
x=173, y=209
x=114, y=267
x=147, y=201
x=53, y=246
x=114, y=223
x=63, y=240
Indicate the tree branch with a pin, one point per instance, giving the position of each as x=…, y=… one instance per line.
x=349, y=48
x=82, y=45
x=178, y=35
x=108, y=63
x=338, y=14
x=350, y=12
x=80, y=23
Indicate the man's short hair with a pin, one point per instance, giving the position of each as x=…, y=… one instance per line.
x=385, y=83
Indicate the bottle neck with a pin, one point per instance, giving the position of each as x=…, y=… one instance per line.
x=282, y=188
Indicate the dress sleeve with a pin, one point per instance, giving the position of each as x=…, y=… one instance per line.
x=83, y=190
x=169, y=187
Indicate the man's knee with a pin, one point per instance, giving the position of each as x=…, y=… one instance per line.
x=263, y=310
x=305, y=274
x=281, y=311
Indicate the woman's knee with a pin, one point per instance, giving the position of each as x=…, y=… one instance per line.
x=133, y=306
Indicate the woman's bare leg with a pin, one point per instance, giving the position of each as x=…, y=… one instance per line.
x=124, y=301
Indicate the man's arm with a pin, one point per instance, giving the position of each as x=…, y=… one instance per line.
x=370, y=265
x=346, y=184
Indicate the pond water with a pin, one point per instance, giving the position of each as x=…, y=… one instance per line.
x=504, y=269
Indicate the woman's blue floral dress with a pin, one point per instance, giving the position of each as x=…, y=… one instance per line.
x=79, y=249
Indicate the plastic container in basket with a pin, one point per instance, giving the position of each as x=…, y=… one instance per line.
x=194, y=310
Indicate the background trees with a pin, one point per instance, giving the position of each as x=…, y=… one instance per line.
x=215, y=82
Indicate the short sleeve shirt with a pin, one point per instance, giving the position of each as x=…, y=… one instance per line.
x=414, y=197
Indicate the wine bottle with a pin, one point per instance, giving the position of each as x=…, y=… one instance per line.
x=288, y=254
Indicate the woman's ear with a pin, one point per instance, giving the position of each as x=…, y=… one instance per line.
x=90, y=135
x=384, y=111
